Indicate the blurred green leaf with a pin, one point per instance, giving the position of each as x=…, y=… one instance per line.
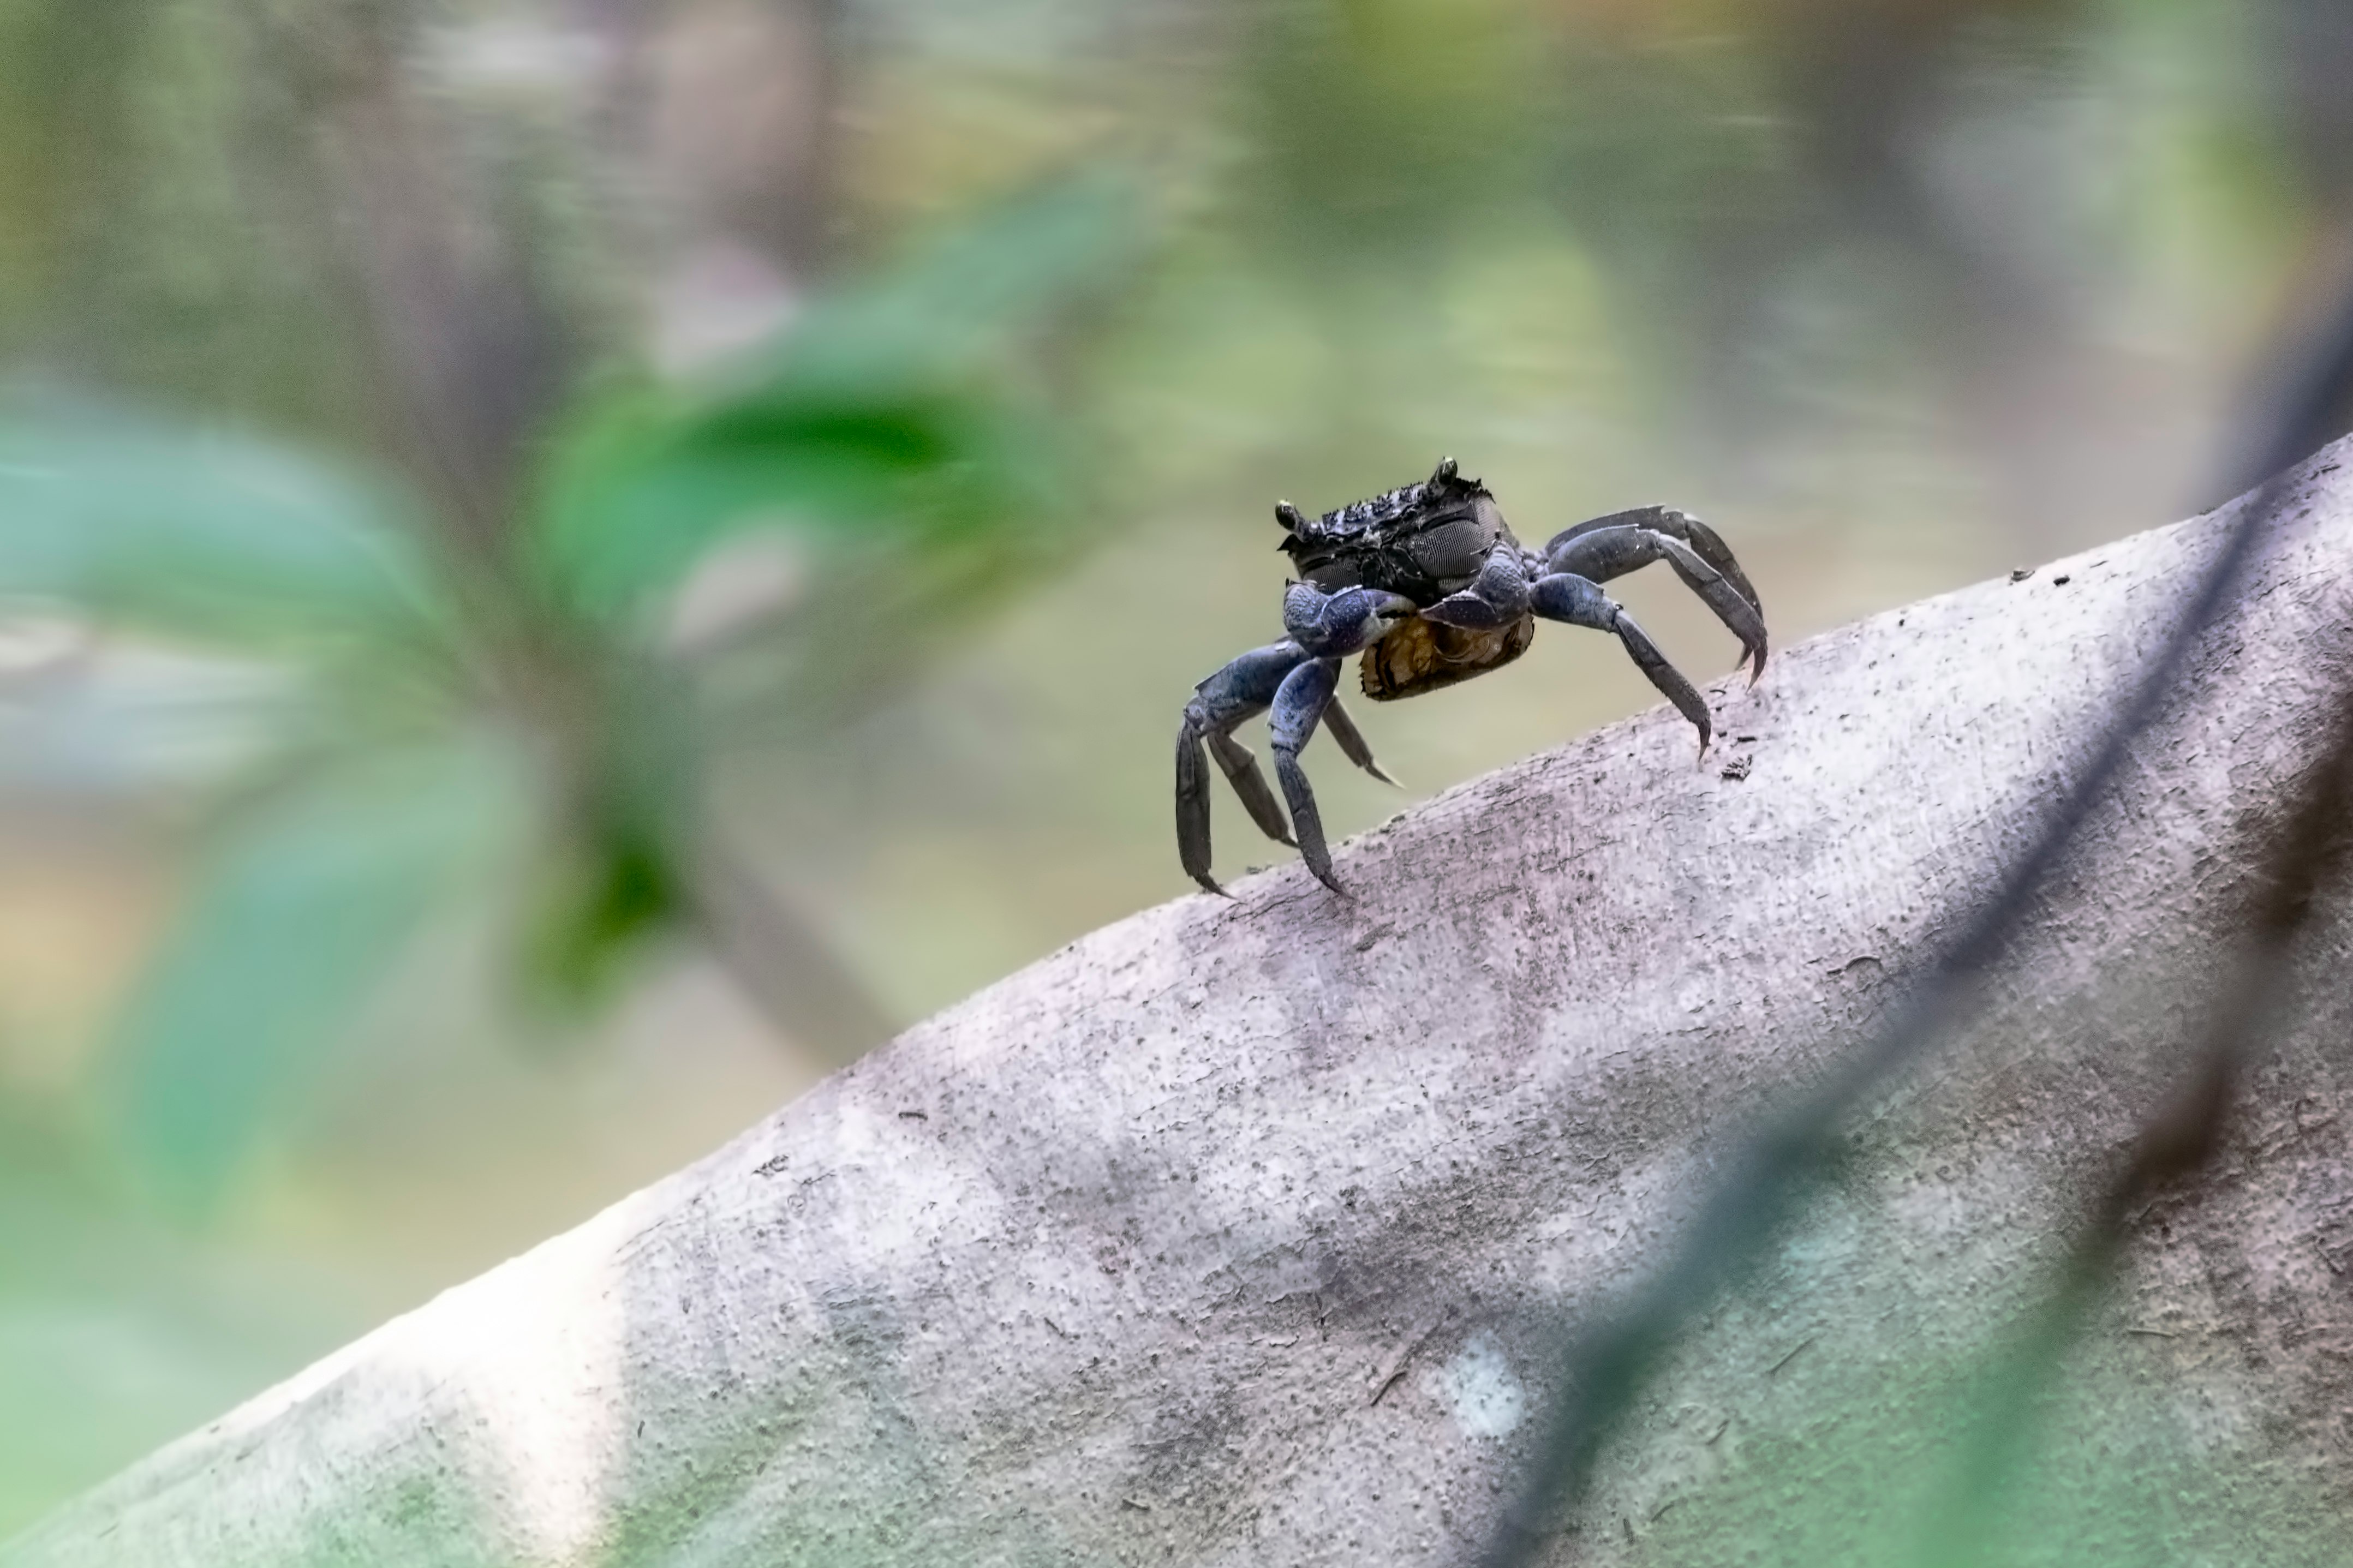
x=617, y=878
x=116, y=1332
x=290, y=925
x=215, y=537
x=630, y=891
x=888, y=409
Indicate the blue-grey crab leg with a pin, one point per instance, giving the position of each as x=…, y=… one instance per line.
x=1612, y=546
x=1242, y=689
x=1324, y=626
x=1353, y=743
x=1565, y=596
x=1239, y=764
x=1330, y=627
x=1306, y=694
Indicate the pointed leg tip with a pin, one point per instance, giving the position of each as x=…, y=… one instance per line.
x=1382, y=773
x=1209, y=885
x=1324, y=874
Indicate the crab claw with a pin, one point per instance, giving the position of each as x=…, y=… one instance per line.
x=1341, y=622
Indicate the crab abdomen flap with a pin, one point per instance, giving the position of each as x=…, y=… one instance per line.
x=1419, y=655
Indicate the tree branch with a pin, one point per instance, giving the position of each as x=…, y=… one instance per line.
x=1244, y=1233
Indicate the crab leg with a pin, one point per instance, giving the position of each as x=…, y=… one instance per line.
x=1612, y=546
x=1324, y=627
x=1329, y=625
x=1242, y=690
x=1352, y=742
x=1239, y=764
x=1564, y=596
x=1304, y=695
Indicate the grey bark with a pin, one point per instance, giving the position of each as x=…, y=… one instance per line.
x=1238, y=1233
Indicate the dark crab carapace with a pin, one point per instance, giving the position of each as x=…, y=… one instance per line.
x=1427, y=585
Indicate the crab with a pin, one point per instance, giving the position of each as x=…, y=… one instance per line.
x=1428, y=585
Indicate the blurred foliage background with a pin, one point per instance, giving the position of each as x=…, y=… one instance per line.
x=567, y=564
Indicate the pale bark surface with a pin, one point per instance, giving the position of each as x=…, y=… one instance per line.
x=1234, y=1233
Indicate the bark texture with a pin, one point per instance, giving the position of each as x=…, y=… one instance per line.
x=1238, y=1233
